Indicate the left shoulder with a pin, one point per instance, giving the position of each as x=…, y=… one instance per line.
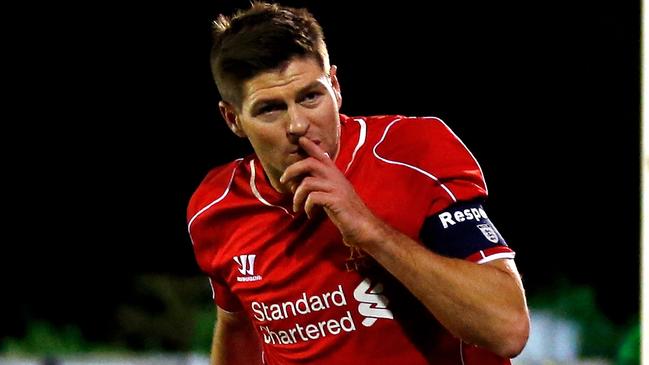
x=430, y=147
x=402, y=129
x=417, y=130
x=429, y=136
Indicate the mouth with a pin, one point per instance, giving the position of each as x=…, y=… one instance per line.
x=299, y=151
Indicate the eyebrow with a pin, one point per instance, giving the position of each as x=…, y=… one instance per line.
x=258, y=104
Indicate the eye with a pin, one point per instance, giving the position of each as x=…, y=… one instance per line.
x=312, y=96
x=268, y=108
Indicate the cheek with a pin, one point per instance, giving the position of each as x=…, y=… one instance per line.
x=333, y=129
x=265, y=141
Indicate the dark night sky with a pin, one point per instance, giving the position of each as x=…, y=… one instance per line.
x=120, y=124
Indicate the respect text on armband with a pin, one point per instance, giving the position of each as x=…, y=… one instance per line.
x=453, y=217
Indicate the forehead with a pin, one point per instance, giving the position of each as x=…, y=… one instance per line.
x=297, y=74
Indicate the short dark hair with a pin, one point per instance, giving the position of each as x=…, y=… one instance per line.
x=262, y=38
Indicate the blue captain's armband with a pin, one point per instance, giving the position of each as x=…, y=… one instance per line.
x=460, y=231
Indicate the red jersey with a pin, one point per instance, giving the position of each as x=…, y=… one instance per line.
x=292, y=275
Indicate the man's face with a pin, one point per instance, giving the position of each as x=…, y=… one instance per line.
x=280, y=106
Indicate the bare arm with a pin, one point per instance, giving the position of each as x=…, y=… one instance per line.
x=234, y=341
x=481, y=304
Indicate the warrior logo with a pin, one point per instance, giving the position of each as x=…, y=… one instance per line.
x=246, y=267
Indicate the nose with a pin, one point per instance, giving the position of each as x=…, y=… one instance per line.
x=297, y=127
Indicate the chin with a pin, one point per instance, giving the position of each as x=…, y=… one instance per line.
x=293, y=158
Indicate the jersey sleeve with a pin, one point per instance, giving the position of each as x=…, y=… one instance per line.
x=456, y=224
x=205, y=249
x=464, y=231
x=223, y=297
x=429, y=147
x=206, y=236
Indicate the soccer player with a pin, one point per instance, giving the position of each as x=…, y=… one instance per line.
x=343, y=240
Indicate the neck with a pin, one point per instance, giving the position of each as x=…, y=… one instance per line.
x=272, y=176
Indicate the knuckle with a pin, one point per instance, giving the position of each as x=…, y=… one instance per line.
x=308, y=182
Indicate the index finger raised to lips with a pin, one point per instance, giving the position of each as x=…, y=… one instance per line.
x=314, y=150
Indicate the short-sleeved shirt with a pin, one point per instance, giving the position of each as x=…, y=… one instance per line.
x=308, y=301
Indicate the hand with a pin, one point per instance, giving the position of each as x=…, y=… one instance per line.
x=324, y=185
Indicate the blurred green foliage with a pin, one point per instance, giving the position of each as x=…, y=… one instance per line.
x=600, y=338
x=42, y=339
x=629, y=353
x=168, y=313
x=164, y=313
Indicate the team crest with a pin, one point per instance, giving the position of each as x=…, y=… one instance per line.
x=489, y=232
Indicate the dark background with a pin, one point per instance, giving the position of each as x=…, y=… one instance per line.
x=117, y=123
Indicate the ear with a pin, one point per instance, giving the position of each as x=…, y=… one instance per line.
x=336, y=86
x=231, y=117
